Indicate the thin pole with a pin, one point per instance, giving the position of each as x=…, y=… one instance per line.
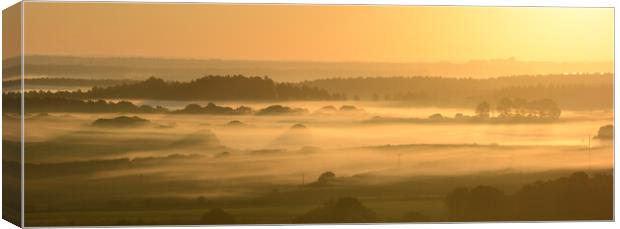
x=589, y=155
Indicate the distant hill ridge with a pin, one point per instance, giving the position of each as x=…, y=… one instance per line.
x=281, y=71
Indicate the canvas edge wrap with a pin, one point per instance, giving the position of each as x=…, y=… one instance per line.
x=12, y=137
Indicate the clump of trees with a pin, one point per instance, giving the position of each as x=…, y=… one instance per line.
x=326, y=178
x=592, y=91
x=213, y=109
x=483, y=110
x=350, y=108
x=520, y=108
x=605, y=132
x=577, y=197
x=344, y=109
x=121, y=121
x=508, y=111
x=299, y=126
x=327, y=109
x=436, y=117
x=280, y=110
x=342, y=210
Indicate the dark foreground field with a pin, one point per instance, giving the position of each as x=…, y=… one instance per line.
x=490, y=197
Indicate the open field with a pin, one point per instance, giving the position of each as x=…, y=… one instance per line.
x=265, y=169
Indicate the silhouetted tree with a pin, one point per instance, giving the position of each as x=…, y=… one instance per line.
x=504, y=107
x=605, y=132
x=326, y=177
x=483, y=109
x=280, y=110
x=459, y=116
x=436, y=117
x=349, y=108
x=121, y=121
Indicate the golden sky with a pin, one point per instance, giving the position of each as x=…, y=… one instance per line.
x=319, y=33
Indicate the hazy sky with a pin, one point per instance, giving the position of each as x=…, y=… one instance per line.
x=319, y=33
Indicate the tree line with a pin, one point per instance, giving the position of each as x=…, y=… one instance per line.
x=520, y=108
x=37, y=104
x=592, y=91
x=235, y=87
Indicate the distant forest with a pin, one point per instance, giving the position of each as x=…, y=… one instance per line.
x=206, y=88
x=593, y=91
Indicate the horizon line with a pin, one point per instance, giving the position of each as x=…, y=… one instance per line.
x=510, y=58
